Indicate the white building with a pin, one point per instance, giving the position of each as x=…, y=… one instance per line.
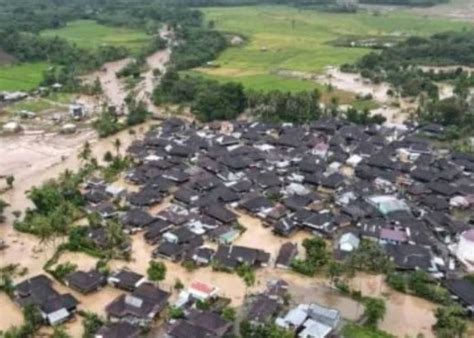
x=465, y=249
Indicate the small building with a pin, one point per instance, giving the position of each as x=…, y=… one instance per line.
x=55, y=308
x=86, y=282
x=262, y=310
x=348, y=242
x=202, y=291
x=463, y=291
x=465, y=249
x=140, y=307
x=287, y=253
x=77, y=111
x=126, y=280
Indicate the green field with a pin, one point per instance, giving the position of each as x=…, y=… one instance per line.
x=356, y=331
x=89, y=34
x=270, y=81
x=25, y=76
x=40, y=104
x=285, y=38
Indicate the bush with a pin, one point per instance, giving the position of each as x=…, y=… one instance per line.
x=61, y=271
x=107, y=124
x=156, y=271
x=316, y=257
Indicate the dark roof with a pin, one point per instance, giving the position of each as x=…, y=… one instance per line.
x=38, y=291
x=143, y=303
x=127, y=279
x=86, y=282
x=286, y=254
x=137, y=218
x=119, y=330
x=410, y=257
x=220, y=213
x=262, y=309
x=463, y=289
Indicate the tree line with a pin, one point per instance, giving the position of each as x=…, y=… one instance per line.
x=213, y=100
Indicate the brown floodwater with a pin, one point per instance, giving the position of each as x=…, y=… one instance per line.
x=58, y=153
x=415, y=314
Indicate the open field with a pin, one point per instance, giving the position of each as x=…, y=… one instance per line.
x=284, y=38
x=89, y=34
x=272, y=82
x=25, y=76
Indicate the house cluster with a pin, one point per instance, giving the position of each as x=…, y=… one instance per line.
x=198, y=321
x=55, y=308
x=332, y=178
x=304, y=320
x=141, y=303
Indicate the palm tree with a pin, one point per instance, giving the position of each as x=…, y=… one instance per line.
x=85, y=152
x=117, y=145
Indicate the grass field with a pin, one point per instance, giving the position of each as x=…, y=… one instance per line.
x=356, y=331
x=89, y=34
x=84, y=33
x=268, y=81
x=40, y=104
x=280, y=37
x=25, y=76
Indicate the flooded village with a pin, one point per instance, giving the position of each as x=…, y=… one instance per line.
x=206, y=199
x=177, y=228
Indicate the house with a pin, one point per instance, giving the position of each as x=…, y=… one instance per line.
x=201, y=324
x=232, y=256
x=118, y=330
x=55, y=308
x=311, y=321
x=126, y=280
x=203, y=256
x=287, y=253
x=202, y=291
x=140, y=307
x=136, y=219
x=77, y=111
x=285, y=227
x=86, y=282
x=171, y=251
x=411, y=257
x=463, y=291
x=221, y=214
x=262, y=310
x=155, y=230
x=348, y=242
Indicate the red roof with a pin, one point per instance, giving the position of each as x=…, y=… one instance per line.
x=202, y=287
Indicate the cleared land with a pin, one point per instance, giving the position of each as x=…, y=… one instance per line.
x=89, y=34
x=25, y=76
x=285, y=38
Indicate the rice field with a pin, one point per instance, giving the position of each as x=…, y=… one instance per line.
x=286, y=38
x=23, y=77
x=89, y=34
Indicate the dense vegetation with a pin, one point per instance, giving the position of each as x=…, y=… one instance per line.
x=201, y=45
x=397, y=65
x=19, y=34
x=209, y=99
x=419, y=284
x=57, y=205
x=316, y=257
x=400, y=66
